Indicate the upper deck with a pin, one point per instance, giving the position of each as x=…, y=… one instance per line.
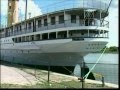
x=88, y=13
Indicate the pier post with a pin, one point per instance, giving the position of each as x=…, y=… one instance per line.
x=35, y=71
x=83, y=73
x=103, y=81
x=48, y=73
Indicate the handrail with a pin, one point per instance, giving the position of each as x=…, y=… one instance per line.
x=66, y=23
x=73, y=38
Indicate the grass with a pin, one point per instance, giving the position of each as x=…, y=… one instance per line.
x=68, y=84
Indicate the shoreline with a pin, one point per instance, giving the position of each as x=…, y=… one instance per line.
x=107, y=52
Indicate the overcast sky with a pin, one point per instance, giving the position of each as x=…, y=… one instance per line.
x=34, y=6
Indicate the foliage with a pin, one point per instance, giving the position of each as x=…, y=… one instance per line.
x=111, y=49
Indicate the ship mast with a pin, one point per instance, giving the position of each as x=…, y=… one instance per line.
x=26, y=10
x=26, y=15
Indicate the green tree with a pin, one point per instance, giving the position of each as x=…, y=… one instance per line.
x=113, y=49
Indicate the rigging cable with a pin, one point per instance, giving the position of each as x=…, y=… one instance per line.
x=94, y=64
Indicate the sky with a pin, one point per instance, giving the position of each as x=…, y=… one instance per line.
x=37, y=7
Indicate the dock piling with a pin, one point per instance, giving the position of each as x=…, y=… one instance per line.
x=48, y=73
x=103, y=81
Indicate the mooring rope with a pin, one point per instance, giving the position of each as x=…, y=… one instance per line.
x=85, y=77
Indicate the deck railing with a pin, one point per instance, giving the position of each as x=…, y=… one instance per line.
x=65, y=24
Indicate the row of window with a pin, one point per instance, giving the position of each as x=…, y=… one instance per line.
x=37, y=37
x=53, y=21
x=30, y=24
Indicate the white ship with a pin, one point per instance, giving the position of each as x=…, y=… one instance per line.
x=57, y=38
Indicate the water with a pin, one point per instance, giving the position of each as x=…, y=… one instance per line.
x=107, y=66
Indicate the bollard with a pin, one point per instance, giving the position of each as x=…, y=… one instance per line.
x=48, y=73
x=82, y=74
x=35, y=71
x=82, y=80
x=103, y=81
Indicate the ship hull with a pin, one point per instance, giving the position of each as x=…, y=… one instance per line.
x=64, y=52
x=52, y=59
x=61, y=55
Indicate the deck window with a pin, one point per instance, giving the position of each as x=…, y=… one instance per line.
x=32, y=37
x=17, y=28
x=52, y=35
x=9, y=7
x=15, y=40
x=52, y=20
x=82, y=33
x=61, y=19
x=23, y=26
x=6, y=33
x=44, y=36
x=45, y=22
x=20, y=27
x=19, y=39
x=73, y=18
x=86, y=22
x=29, y=25
x=11, y=30
x=27, y=38
x=39, y=23
x=38, y=37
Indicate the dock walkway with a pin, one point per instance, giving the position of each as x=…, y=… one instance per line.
x=12, y=75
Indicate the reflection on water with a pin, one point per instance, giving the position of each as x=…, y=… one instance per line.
x=107, y=66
